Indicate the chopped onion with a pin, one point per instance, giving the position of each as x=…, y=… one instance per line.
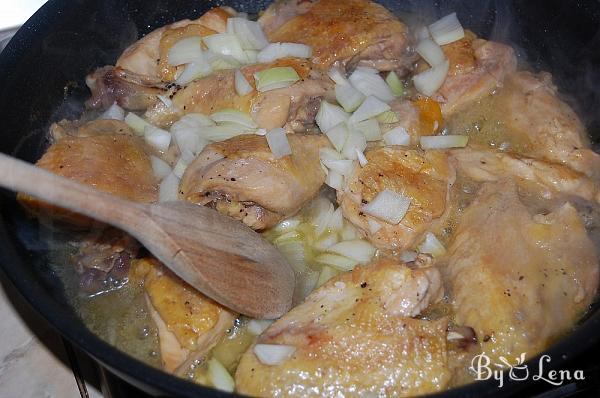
x=160, y=168
x=359, y=250
x=388, y=206
x=249, y=33
x=329, y=154
x=136, y=123
x=219, y=376
x=371, y=107
x=157, y=138
x=324, y=212
x=165, y=100
x=242, y=87
x=274, y=78
x=370, y=83
x=293, y=251
x=185, y=51
x=224, y=131
x=330, y=115
x=355, y=141
x=169, y=188
x=443, y=141
x=408, y=256
x=234, y=116
x=325, y=241
x=287, y=225
x=349, y=232
x=194, y=70
x=370, y=129
x=278, y=142
x=336, y=222
x=395, y=84
x=430, y=52
x=447, y=30
x=225, y=44
x=431, y=245
x=273, y=354
x=281, y=50
x=180, y=167
x=114, y=112
x=257, y=326
x=336, y=261
x=326, y=274
x=251, y=56
x=374, y=226
x=188, y=139
x=362, y=159
x=335, y=180
x=388, y=117
x=348, y=97
x=337, y=75
x=338, y=135
x=397, y=136
x=221, y=62
x=429, y=81
x=344, y=167
x=422, y=33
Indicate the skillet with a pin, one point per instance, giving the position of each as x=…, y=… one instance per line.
x=42, y=74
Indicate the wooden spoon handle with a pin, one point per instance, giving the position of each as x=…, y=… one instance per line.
x=20, y=176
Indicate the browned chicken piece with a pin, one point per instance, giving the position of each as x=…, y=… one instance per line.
x=353, y=33
x=77, y=128
x=488, y=166
x=419, y=117
x=356, y=336
x=542, y=125
x=241, y=178
x=115, y=163
x=269, y=109
x=520, y=280
x=477, y=68
x=424, y=177
x=189, y=324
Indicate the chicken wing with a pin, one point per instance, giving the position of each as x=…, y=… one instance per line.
x=356, y=336
x=424, y=177
x=241, y=178
x=352, y=32
x=520, y=280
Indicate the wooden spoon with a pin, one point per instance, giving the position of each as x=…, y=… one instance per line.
x=221, y=257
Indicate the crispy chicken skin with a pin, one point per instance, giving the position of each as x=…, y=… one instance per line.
x=424, y=176
x=355, y=336
x=353, y=33
x=518, y=279
x=189, y=324
x=241, y=178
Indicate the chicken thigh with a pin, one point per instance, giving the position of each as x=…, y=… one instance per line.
x=356, y=336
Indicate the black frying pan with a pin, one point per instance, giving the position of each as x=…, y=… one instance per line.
x=42, y=80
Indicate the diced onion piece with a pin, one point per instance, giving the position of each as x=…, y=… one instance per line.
x=324, y=212
x=165, y=100
x=362, y=159
x=371, y=107
x=221, y=62
x=234, y=116
x=160, y=168
x=370, y=128
x=338, y=135
x=429, y=81
x=329, y=116
x=408, y=256
x=336, y=222
x=257, y=326
x=359, y=250
x=431, y=245
x=337, y=76
x=370, y=83
x=336, y=261
x=326, y=274
x=325, y=241
x=275, y=51
x=185, y=51
x=114, y=112
x=293, y=251
x=443, y=141
x=169, y=188
x=335, y=180
x=189, y=140
x=273, y=354
x=219, y=376
x=225, y=44
x=197, y=69
x=388, y=206
x=136, y=123
x=274, y=78
x=249, y=33
x=329, y=154
x=348, y=97
x=157, y=138
x=349, y=232
x=388, y=117
x=224, y=131
x=344, y=167
x=180, y=167
x=251, y=56
x=447, y=30
x=430, y=51
x=242, y=87
x=192, y=120
x=374, y=226
x=355, y=141
x=395, y=84
x=278, y=142
x=422, y=33
x=397, y=136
